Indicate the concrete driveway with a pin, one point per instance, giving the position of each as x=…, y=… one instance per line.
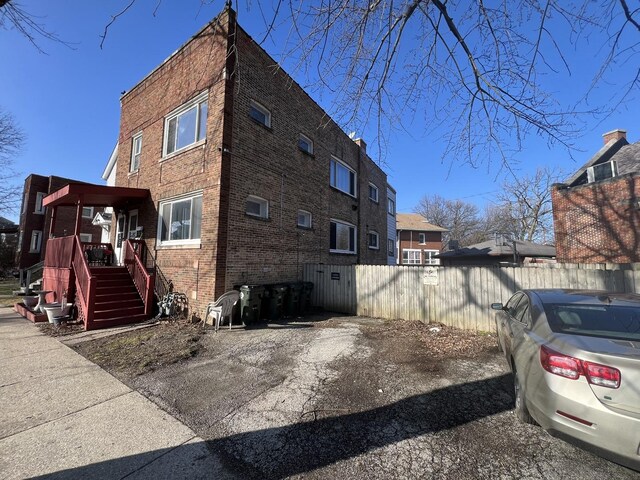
x=359, y=398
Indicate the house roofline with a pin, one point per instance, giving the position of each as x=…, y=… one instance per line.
x=111, y=163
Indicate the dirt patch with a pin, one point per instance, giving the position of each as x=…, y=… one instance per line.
x=127, y=355
x=64, y=329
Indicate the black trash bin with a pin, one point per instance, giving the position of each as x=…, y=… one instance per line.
x=250, y=303
x=305, y=297
x=274, y=300
x=292, y=300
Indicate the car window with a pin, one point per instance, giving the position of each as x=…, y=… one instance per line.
x=523, y=312
x=513, y=302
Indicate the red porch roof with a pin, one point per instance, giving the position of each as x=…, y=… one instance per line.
x=94, y=195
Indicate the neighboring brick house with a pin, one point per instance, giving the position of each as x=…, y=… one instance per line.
x=248, y=177
x=35, y=220
x=418, y=240
x=596, y=212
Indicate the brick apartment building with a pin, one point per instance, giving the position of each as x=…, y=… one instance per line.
x=248, y=177
x=418, y=240
x=35, y=220
x=596, y=212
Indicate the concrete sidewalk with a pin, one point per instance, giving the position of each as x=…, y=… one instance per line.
x=62, y=416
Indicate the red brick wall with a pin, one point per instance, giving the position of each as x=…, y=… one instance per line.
x=241, y=158
x=598, y=223
x=409, y=239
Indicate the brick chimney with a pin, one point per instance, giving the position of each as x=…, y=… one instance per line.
x=614, y=135
x=360, y=142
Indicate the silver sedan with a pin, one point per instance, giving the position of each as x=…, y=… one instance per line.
x=575, y=358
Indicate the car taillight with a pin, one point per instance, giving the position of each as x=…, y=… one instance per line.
x=571, y=367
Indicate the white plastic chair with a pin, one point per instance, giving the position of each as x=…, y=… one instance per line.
x=222, y=308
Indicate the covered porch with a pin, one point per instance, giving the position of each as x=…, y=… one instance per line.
x=110, y=285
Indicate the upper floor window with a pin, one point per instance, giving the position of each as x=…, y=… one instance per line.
x=342, y=237
x=342, y=177
x=260, y=114
x=180, y=220
x=602, y=171
x=39, y=208
x=36, y=241
x=257, y=207
x=136, y=149
x=373, y=240
x=373, y=192
x=87, y=212
x=422, y=238
x=305, y=144
x=304, y=219
x=186, y=125
x=391, y=248
x=86, y=237
x=391, y=206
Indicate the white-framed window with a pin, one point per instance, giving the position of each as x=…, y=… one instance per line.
x=87, y=212
x=186, y=126
x=305, y=144
x=304, y=219
x=260, y=113
x=86, y=237
x=411, y=257
x=136, y=150
x=180, y=220
x=422, y=238
x=342, y=177
x=342, y=237
x=430, y=257
x=257, y=207
x=373, y=240
x=373, y=192
x=39, y=208
x=391, y=206
x=391, y=247
x=602, y=171
x=36, y=241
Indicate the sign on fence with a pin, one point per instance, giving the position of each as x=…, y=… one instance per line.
x=430, y=276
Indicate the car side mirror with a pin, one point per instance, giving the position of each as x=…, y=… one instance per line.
x=497, y=306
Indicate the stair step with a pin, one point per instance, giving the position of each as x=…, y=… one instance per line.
x=115, y=283
x=118, y=312
x=117, y=297
x=112, y=276
x=113, y=322
x=101, y=289
x=111, y=304
x=108, y=269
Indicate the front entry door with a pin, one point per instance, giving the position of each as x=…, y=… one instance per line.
x=121, y=235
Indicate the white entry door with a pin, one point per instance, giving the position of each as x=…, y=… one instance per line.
x=121, y=235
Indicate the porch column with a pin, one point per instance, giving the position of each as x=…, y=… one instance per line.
x=52, y=224
x=79, y=215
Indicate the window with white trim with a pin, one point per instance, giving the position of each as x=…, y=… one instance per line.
x=373, y=240
x=391, y=247
x=391, y=206
x=304, y=219
x=180, y=220
x=39, y=208
x=411, y=257
x=373, y=193
x=86, y=237
x=186, y=126
x=422, y=238
x=257, y=207
x=342, y=237
x=305, y=144
x=136, y=150
x=342, y=177
x=260, y=114
x=87, y=212
x=602, y=171
x=430, y=257
x=36, y=241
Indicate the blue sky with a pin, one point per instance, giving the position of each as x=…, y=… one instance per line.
x=67, y=101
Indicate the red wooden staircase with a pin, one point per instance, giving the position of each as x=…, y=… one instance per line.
x=117, y=300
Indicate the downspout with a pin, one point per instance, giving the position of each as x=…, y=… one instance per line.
x=359, y=193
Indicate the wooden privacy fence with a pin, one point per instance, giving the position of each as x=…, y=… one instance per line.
x=456, y=296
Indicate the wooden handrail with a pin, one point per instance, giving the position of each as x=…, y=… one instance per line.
x=85, y=284
x=142, y=279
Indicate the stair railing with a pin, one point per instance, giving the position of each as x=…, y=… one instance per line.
x=161, y=285
x=85, y=285
x=142, y=279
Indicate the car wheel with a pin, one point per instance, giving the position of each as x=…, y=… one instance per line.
x=521, y=409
